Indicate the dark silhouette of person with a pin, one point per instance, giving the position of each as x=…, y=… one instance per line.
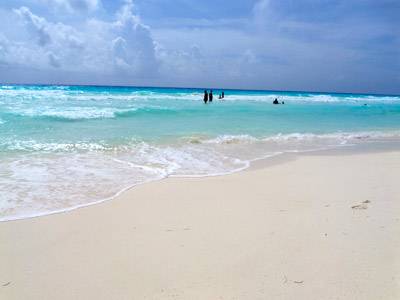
x=276, y=101
x=223, y=95
x=205, y=97
x=210, y=96
x=220, y=96
x=283, y=102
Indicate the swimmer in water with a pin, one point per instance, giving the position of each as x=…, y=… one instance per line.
x=205, y=99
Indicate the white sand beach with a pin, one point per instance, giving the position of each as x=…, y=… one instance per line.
x=316, y=226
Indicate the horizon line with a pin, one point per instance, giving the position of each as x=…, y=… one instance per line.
x=201, y=88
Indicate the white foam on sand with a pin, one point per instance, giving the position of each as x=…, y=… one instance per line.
x=50, y=178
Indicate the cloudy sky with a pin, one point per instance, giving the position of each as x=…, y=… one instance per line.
x=314, y=45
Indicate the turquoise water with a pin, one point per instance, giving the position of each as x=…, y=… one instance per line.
x=63, y=147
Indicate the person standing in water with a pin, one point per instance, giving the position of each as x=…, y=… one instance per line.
x=205, y=97
x=223, y=95
x=210, y=96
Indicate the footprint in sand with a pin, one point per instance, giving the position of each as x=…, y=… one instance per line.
x=363, y=205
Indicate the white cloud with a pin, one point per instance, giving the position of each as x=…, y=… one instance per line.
x=124, y=49
x=74, y=5
x=54, y=44
x=47, y=33
x=121, y=47
x=133, y=47
x=37, y=25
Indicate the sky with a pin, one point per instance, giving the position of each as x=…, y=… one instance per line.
x=301, y=45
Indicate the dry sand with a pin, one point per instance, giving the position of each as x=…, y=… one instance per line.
x=312, y=227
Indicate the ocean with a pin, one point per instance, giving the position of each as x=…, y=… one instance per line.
x=63, y=147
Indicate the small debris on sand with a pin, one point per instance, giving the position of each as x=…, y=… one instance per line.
x=363, y=205
x=298, y=282
x=8, y=283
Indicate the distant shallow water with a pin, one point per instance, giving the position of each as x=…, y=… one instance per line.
x=62, y=147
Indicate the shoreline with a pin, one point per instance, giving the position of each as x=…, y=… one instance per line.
x=258, y=163
x=298, y=229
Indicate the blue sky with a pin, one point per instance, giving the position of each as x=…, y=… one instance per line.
x=319, y=45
